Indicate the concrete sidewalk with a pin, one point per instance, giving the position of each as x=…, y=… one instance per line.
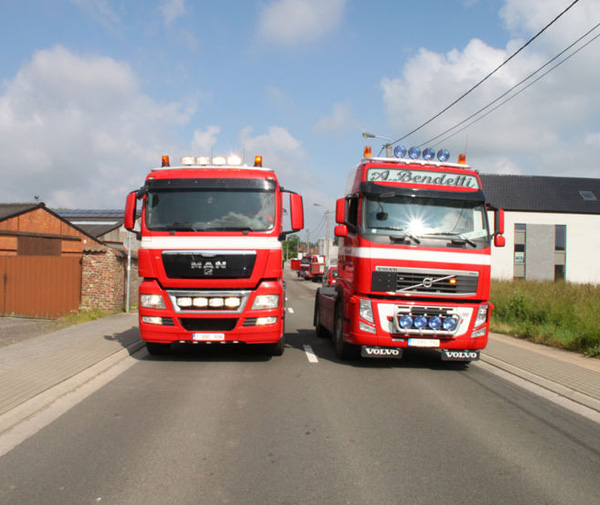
x=30, y=368
x=33, y=367
x=568, y=374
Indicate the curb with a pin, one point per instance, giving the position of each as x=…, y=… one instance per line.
x=55, y=392
x=554, y=387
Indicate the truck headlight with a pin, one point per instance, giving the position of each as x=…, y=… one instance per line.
x=262, y=302
x=365, y=309
x=482, y=315
x=152, y=302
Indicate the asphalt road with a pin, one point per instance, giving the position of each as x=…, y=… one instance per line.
x=232, y=426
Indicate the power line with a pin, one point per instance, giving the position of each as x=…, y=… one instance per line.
x=521, y=90
x=516, y=86
x=487, y=76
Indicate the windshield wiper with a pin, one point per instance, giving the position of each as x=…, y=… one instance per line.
x=179, y=226
x=229, y=228
x=456, y=238
x=404, y=236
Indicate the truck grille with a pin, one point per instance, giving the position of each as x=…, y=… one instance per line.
x=212, y=324
x=427, y=282
x=208, y=264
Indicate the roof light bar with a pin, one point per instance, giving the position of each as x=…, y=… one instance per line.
x=428, y=153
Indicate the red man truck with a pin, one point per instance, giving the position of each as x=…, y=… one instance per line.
x=210, y=254
x=414, y=259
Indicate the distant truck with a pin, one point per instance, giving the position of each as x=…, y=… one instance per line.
x=211, y=254
x=414, y=260
x=312, y=267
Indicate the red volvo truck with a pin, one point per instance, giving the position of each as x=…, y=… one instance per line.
x=414, y=259
x=210, y=253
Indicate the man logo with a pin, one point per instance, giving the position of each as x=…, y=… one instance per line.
x=208, y=267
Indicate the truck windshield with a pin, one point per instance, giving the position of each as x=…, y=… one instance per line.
x=210, y=210
x=418, y=218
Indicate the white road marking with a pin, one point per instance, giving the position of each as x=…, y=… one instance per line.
x=310, y=354
x=290, y=310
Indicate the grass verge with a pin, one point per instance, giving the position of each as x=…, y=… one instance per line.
x=558, y=314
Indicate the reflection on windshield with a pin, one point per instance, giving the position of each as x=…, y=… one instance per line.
x=210, y=210
x=425, y=217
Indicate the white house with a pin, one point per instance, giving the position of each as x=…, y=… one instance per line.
x=552, y=227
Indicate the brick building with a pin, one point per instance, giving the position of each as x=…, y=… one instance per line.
x=50, y=266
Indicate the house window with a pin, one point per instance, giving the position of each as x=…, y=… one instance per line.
x=560, y=252
x=519, y=251
x=587, y=195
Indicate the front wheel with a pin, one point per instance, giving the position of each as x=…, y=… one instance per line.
x=275, y=349
x=343, y=350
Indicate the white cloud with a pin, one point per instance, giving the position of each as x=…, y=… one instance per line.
x=540, y=130
x=172, y=10
x=204, y=141
x=280, y=150
x=78, y=131
x=295, y=22
x=340, y=121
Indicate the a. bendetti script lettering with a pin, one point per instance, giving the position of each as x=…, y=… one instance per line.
x=423, y=177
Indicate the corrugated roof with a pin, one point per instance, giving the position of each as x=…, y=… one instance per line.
x=91, y=213
x=542, y=194
x=14, y=209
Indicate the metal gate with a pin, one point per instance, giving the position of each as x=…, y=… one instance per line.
x=39, y=286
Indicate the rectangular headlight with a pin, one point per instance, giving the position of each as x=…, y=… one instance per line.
x=262, y=302
x=482, y=315
x=366, y=310
x=152, y=302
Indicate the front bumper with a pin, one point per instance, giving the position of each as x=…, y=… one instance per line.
x=384, y=330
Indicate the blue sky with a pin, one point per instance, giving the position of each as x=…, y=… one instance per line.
x=93, y=92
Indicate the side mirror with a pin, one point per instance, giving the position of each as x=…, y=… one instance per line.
x=341, y=230
x=499, y=239
x=130, y=209
x=499, y=218
x=340, y=210
x=296, y=212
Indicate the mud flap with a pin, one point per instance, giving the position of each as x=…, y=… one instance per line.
x=458, y=355
x=370, y=351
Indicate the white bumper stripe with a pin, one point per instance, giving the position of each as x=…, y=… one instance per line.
x=463, y=258
x=201, y=243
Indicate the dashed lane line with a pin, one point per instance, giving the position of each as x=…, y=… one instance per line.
x=310, y=354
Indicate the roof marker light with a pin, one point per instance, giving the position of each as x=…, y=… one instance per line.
x=188, y=160
x=234, y=160
x=258, y=161
x=443, y=155
x=203, y=160
x=367, y=152
x=462, y=159
x=400, y=152
x=428, y=154
x=165, y=161
x=414, y=153
x=219, y=161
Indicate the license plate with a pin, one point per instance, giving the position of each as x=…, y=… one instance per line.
x=209, y=337
x=423, y=342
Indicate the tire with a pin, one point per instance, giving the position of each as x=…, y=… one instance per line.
x=157, y=349
x=343, y=350
x=275, y=349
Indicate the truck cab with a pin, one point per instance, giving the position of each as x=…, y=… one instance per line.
x=210, y=254
x=413, y=263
